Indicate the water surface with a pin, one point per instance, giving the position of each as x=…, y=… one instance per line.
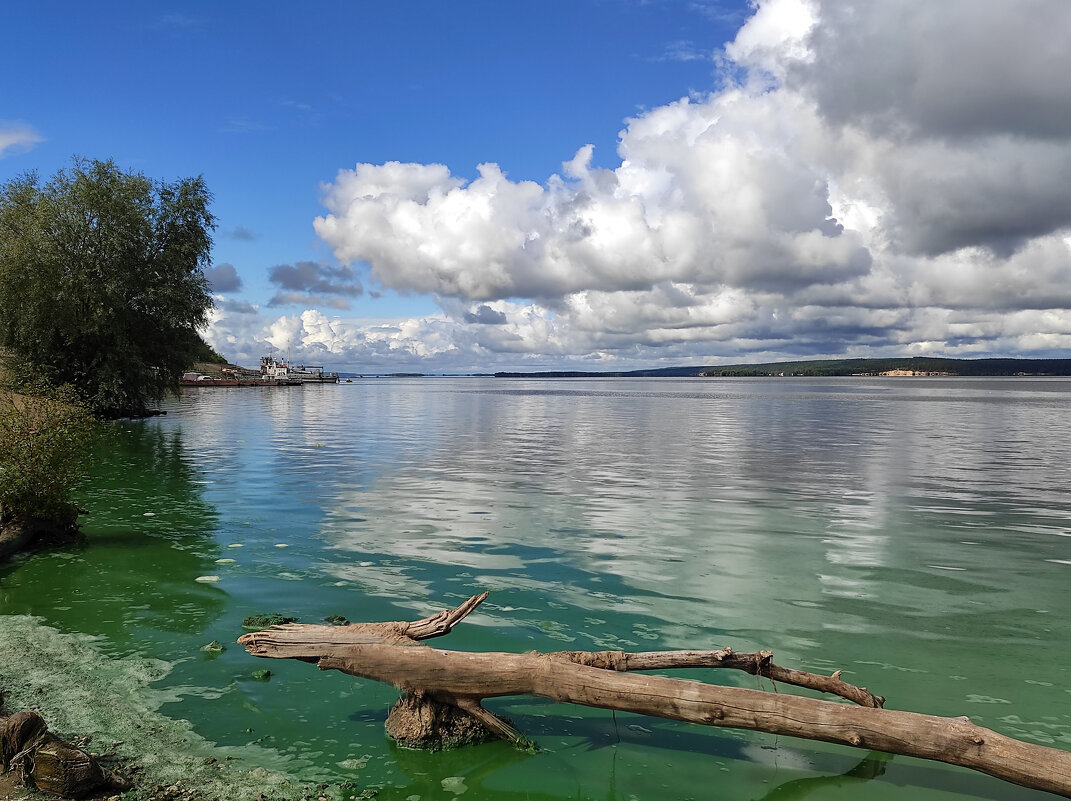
x=915, y=533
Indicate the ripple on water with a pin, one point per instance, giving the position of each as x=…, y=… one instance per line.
x=895, y=529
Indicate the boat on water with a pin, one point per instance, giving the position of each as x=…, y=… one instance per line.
x=310, y=374
x=273, y=373
x=192, y=379
x=281, y=369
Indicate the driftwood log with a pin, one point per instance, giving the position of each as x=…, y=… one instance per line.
x=393, y=653
x=40, y=759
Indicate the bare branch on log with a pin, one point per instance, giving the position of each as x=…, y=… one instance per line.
x=305, y=641
x=759, y=663
x=442, y=623
x=489, y=719
x=385, y=652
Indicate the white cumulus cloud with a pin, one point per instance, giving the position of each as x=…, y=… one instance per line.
x=873, y=178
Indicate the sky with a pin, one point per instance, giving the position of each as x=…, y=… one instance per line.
x=597, y=185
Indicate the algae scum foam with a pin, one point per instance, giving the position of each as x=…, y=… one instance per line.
x=83, y=693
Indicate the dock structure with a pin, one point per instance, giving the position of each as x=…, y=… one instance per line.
x=234, y=376
x=208, y=381
x=273, y=372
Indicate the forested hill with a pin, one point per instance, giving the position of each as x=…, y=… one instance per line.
x=836, y=367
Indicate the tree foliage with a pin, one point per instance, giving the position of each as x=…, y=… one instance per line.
x=850, y=367
x=204, y=352
x=102, y=282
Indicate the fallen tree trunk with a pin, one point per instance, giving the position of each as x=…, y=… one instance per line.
x=392, y=653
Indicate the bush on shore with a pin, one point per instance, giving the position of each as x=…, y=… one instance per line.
x=45, y=439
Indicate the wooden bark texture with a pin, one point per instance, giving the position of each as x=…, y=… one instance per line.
x=43, y=760
x=384, y=652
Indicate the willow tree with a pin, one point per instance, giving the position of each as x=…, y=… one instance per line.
x=102, y=283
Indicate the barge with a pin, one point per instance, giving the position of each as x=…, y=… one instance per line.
x=270, y=367
x=209, y=381
x=273, y=373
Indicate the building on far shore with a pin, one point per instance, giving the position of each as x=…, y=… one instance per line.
x=899, y=373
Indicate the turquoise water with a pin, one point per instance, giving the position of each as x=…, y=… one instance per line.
x=915, y=533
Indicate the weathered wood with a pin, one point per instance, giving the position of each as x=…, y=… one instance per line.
x=443, y=622
x=43, y=760
x=421, y=720
x=759, y=663
x=381, y=652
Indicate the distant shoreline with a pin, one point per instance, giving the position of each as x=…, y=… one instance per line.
x=862, y=368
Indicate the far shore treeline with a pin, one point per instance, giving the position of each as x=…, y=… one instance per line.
x=835, y=367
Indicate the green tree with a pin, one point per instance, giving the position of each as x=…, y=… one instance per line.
x=102, y=282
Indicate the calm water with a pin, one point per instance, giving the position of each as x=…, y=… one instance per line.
x=914, y=532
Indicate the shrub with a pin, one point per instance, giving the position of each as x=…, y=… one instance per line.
x=45, y=439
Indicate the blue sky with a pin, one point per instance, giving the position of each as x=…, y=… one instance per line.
x=790, y=178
